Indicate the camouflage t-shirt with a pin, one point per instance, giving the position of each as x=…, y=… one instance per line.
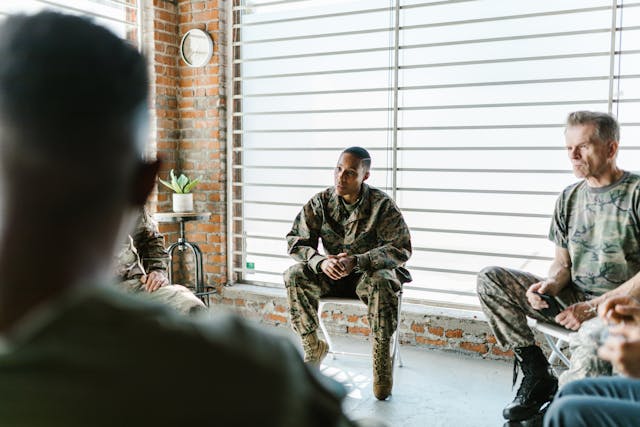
x=600, y=228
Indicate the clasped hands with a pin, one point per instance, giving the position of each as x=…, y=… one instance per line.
x=572, y=316
x=622, y=346
x=338, y=266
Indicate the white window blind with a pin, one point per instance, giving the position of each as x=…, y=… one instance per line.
x=461, y=104
x=120, y=16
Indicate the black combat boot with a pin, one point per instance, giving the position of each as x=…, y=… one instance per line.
x=538, y=384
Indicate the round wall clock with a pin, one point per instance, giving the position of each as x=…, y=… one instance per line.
x=196, y=48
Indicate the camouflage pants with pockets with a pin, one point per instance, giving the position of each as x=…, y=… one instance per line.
x=377, y=289
x=177, y=297
x=503, y=300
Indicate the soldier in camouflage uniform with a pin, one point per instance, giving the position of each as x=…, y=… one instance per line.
x=596, y=230
x=141, y=268
x=367, y=243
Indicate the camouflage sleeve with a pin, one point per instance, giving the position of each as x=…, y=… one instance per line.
x=395, y=242
x=558, y=228
x=302, y=240
x=150, y=244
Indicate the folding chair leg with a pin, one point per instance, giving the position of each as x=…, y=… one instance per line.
x=323, y=328
x=555, y=351
x=396, y=336
x=395, y=350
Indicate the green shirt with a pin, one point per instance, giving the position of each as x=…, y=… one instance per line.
x=98, y=358
x=600, y=227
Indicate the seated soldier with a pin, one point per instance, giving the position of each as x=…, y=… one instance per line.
x=367, y=244
x=597, y=255
x=141, y=268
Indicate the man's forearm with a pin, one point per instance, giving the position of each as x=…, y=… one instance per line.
x=387, y=256
x=560, y=274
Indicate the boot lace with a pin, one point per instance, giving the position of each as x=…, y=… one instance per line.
x=516, y=364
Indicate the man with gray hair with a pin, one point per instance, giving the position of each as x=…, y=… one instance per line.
x=595, y=228
x=73, y=351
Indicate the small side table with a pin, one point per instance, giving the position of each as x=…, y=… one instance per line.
x=182, y=243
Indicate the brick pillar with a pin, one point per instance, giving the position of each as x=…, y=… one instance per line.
x=188, y=116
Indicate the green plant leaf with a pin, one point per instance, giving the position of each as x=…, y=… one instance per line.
x=179, y=184
x=174, y=185
x=190, y=185
x=182, y=182
x=167, y=184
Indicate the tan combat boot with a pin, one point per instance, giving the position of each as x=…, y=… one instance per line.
x=315, y=349
x=382, y=368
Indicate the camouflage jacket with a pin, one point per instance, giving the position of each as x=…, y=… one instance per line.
x=600, y=227
x=375, y=231
x=150, y=246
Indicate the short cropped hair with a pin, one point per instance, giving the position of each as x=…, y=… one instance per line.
x=361, y=154
x=61, y=72
x=607, y=128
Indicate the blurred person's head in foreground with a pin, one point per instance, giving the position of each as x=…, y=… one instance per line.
x=73, y=124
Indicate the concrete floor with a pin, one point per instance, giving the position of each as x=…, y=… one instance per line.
x=433, y=388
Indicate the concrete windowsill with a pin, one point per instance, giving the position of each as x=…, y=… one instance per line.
x=421, y=325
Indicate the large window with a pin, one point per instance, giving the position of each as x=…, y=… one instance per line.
x=120, y=16
x=461, y=104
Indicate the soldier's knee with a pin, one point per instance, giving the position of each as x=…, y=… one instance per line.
x=381, y=277
x=294, y=274
x=378, y=275
x=487, y=278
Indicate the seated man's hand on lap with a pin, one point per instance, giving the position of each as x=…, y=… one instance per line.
x=574, y=315
x=333, y=268
x=348, y=262
x=154, y=280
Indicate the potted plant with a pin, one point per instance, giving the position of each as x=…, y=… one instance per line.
x=181, y=187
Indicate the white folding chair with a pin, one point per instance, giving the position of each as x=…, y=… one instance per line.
x=556, y=336
x=395, y=347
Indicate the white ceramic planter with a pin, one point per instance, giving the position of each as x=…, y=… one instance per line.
x=183, y=202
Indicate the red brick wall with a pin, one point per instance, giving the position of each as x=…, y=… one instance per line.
x=420, y=326
x=188, y=120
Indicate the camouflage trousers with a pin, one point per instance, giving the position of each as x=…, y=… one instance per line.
x=503, y=300
x=177, y=297
x=377, y=289
x=584, y=357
